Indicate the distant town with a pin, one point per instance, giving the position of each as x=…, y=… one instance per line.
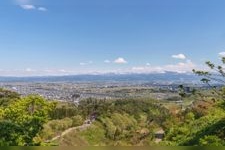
x=75, y=88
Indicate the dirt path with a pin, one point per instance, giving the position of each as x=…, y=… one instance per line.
x=82, y=127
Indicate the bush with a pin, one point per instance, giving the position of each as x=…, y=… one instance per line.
x=77, y=121
x=211, y=140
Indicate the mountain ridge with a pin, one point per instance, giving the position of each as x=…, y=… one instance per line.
x=152, y=77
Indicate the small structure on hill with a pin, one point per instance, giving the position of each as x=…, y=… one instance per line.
x=159, y=135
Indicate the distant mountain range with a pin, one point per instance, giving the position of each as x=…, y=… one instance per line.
x=168, y=77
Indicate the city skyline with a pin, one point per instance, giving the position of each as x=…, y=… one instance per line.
x=41, y=38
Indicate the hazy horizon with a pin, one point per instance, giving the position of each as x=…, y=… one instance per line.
x=104, y=74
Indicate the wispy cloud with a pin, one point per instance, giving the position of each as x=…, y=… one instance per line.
x=28, y=7
x=32, y=7
x=120, y=60
x=42, y=9
x=222, y=54
x=179, y=56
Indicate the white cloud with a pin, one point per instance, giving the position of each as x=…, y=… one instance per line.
x=120, y=60
x=148, y=64
x=222, y=54
x=184, y=67
x=28, y=7
x=179, y=56
x=42, y=9
x=32, y=7
x=107, y=61
x=179, y=68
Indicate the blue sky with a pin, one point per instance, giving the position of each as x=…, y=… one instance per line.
x=39, y=37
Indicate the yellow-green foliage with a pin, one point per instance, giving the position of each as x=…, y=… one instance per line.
x=56, y=127
x=194, y=131
x=94, y=135
x=77, y=120
x=118, y=129
x=74, y=139
x=211, y=140
x=27, y=107
x=22, y=120
x=121, y=122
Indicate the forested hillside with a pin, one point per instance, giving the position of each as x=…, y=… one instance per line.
x=32, y=120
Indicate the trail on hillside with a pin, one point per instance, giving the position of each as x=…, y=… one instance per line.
x=82, y=127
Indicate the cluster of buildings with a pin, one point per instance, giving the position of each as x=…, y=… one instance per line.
x=68, y=91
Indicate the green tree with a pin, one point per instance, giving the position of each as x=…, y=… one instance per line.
x=7, y=97
x=23, y=120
